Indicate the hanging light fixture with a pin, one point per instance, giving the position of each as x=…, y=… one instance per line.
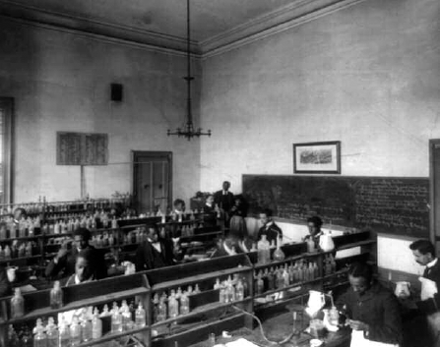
x=188, y=130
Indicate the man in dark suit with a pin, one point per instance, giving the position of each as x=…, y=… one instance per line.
x=224, y=198
x=154, y=252
x=63, y=264
x=269, y=228
x=424, y=254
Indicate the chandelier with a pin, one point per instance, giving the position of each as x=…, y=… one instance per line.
x=188, y=130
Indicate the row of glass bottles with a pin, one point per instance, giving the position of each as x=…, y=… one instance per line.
x=264, y=247
x=284, y=276
x=10, y=229
x=18, y=250
x=82, y=328
x=231, y=290
x=177, y=303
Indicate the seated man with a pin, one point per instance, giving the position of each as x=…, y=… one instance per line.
x=269, y=228
x=226, y=246
x=154, y=252
x=85, y=268
x=372, y=311
x=314, y=224
x=64, y=262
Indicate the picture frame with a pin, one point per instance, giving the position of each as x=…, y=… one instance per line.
x=317, y=157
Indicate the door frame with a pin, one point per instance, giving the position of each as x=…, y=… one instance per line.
x=134, y=160
x=8, y=150
x=432, y=201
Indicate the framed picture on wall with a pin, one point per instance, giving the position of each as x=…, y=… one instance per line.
x=317, y=157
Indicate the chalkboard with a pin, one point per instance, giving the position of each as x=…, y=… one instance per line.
x=394, y=205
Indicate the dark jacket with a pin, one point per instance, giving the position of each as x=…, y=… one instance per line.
x=271, y=233
x=431, y=305
x=225, y=202
x=147, y=257
x=379, y=308
x=65, y=266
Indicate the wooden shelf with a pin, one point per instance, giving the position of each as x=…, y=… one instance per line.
x=198, y=278
x=10, y=239
x=3, y=261
x=112, y=336
x=47, y=311
x=199, y=310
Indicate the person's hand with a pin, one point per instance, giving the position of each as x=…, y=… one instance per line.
x=63, y=250
x=358, y=325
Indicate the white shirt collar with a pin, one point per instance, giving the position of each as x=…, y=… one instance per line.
x=431, y=263
x=229, y=250
x=269, y=224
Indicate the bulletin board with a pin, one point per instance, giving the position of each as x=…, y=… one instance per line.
x=82, y=148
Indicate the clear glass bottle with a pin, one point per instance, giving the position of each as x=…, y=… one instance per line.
x=17, y=304
x=140, y=316
x=64, y=334
x=75, y=333
x=239, y=292
x=278, y=254
x=263, y=250
x=173, y=306
x=96, y=326
x=116, y=322
x=56, y=296
x=86, y=328
x=162, y=310
x=260, y=285
x=52, y=333
x=184, y=304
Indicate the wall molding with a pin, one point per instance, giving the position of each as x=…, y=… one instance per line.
x=235, y=41
x=283, y=19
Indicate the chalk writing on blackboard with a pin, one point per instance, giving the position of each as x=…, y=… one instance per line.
x=393, y=205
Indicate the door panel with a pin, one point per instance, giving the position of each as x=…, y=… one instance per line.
x=152, y=181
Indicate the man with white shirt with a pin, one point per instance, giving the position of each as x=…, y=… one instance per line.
x=424, y=254
x=154, y=253
x=269, y=228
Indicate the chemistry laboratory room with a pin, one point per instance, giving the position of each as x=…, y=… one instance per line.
x=204, y=173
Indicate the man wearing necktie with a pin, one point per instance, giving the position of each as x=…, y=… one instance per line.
x=154, y=253
x=424, y=254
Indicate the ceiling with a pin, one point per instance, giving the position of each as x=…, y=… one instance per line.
x=162, y=23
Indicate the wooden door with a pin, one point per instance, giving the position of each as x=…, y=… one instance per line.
x=434, y=176
x=152, y=181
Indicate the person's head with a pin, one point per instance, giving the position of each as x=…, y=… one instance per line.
x=84, y=265
x=238, y=201
x=226, y=185
x=179, y=205
x=423, y=251
x=210, y=199
x=19, y=213
x=360, y=276
x=152, y=234
x=266, y=216
x=314, y=224
x=81, y=238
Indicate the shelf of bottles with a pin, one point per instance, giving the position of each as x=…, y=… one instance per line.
x=72, y=317
x=283, y=272
x=185, y=297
